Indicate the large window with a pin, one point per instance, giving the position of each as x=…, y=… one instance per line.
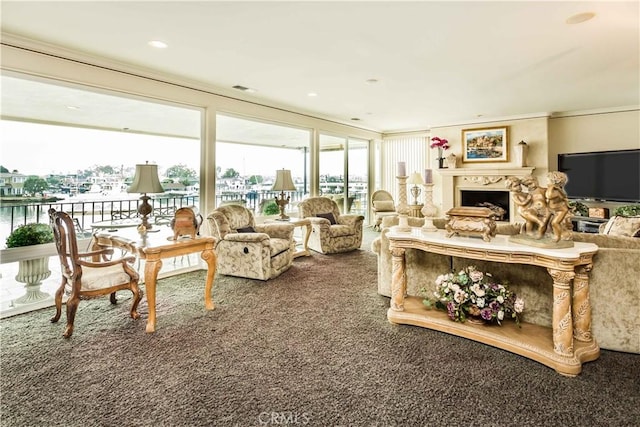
x=85, y=145
x=248, y=153
x=342, y=157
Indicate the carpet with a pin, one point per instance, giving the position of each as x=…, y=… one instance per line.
x=311, y=347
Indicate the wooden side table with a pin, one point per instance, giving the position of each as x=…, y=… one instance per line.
x=153, y=248
x=297, y=222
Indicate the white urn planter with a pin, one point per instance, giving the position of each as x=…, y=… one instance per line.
x=32, y=272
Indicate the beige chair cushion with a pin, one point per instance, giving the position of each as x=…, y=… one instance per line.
x=101, y=278
x=384, y=206
x=628, y=226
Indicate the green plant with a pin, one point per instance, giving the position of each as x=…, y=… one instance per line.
x=628, y=210
x=30, y=234
x=271, y=208
x=579, y=208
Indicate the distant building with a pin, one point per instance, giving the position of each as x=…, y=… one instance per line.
x=12, y=184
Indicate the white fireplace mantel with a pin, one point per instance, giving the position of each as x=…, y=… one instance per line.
x=456, y=179
x=486, y=172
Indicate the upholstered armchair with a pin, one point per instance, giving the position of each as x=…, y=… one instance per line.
x=247, y=249
x=331, y=231
x=382, y=205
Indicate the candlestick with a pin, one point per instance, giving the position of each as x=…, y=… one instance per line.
x=402, y=169
x=402, y=208
x=429, y=210
x=428, y=176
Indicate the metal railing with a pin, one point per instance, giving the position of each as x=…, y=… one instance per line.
x=87, y=212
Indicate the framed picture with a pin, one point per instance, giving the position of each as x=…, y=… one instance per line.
x=485, y=144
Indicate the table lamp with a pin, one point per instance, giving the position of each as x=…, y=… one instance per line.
x=145, y=181
x=415, y=179
x=283, y=183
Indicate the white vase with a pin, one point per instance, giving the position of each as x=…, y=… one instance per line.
x=32, y=272
x=451, y=161
x=521, y=154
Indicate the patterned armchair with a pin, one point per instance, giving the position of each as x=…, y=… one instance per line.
x=382, y=205
x=331, y=231
x=247, y=249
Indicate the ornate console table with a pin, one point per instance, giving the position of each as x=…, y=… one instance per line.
x=564, y=347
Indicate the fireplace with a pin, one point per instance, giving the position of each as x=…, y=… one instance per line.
x=481, y=186
x=497, y=201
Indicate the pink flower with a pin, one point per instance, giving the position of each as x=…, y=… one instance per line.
x=439, y=143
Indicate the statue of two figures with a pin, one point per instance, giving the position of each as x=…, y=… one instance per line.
x=545, y=210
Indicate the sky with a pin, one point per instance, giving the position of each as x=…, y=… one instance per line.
x=37, y=149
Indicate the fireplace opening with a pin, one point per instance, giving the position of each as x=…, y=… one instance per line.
x=497, y=201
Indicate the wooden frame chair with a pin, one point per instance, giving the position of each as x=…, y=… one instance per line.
x=90, y=274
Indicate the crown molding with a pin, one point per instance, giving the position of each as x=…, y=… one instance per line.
x=629, y=108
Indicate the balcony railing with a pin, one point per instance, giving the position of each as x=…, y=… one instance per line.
x=87, y=212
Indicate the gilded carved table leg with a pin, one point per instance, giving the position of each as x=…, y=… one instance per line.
x=562, y=320
x=398, y=279
x=582, y=305
x=151, y=269
x=210, y=257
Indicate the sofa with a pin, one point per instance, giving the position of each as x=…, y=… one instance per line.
x=614, y=284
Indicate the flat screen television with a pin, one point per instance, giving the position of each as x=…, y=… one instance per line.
x=604, y=175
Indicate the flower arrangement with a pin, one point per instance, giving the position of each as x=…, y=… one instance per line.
x=439, y=143
x=471, y=292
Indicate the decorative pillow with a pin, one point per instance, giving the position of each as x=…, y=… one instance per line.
x=628, y=226
x=328, y=216
x=246, y=230
x=384, y=206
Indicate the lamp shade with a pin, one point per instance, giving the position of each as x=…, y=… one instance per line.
x=283, y=181
x=146, y=180
x=415, y=179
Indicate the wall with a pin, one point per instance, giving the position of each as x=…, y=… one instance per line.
x=533, y=131
x=593, y=132
x=596, y=131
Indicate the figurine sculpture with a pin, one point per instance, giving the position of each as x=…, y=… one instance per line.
x=545, y=210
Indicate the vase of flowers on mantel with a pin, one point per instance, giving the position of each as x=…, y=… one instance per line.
x=442, y=145
x=474, y=296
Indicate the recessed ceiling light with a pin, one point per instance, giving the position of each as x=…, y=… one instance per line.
x=72, y=107
x=355, y=119
x=580, y=17
x=158, y=44
x=312, y=94
x=371, y=81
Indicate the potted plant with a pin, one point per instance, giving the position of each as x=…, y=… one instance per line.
x=31, y=272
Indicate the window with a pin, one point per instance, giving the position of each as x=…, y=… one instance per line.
x=248, y=153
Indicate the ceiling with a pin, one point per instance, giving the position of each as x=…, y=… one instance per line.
x=433, y=63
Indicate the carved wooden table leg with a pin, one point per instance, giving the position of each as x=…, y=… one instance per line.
x=151, y=268
x=582, y=305
x=398, y=279
x=562, y=320
x=209, y=257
